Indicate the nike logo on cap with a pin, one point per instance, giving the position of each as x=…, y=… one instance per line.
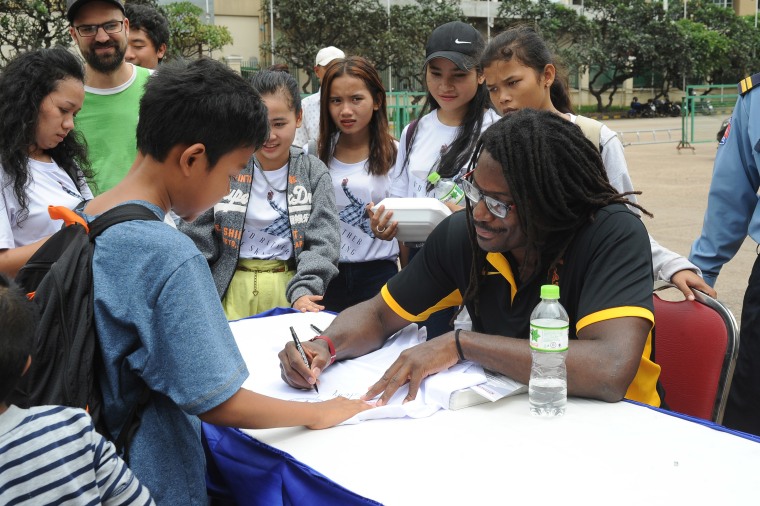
x=457, y=41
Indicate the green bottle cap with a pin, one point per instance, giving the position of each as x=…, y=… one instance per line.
x=434, y=177
x=549, y=292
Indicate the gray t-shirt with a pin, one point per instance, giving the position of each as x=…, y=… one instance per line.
x=160, y=323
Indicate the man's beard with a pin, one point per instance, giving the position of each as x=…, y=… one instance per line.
x=105, y=64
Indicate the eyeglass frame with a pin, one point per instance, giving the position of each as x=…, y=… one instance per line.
x=98, y=27
x=492, y=204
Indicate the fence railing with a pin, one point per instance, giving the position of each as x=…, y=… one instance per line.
x=701, y=113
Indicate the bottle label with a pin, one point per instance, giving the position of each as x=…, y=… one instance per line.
x=454, y=195
x=547, y=335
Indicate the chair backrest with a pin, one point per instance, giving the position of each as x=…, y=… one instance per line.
x=696, y=344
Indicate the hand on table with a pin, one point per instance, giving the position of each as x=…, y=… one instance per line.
x=337, y=410
x=412, y=366
x=380, y=223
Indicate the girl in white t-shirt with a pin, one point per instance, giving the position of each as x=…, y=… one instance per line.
x=443, y=139
x=355, y=144
x=43, y=161
x=520, y=73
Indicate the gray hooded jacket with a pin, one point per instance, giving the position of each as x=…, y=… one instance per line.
x=314, y=225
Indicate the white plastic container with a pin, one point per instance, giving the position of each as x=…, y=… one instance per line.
x=416, y=217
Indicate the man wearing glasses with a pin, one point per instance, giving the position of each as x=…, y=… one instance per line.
x=539, y=210
x=113, y=88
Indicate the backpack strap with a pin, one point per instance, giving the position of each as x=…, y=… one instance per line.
x=592, y=129
x=119, y=214
x=312, y=147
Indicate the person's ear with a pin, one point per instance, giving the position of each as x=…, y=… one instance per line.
x=550, y=73
x=73, y=33
x=193, y=158
x=161, y=52
x=27, y=366
x=299, y=118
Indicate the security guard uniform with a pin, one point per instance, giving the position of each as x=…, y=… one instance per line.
x=733, y=212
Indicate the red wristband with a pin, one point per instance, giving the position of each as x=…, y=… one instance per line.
x=330, y=345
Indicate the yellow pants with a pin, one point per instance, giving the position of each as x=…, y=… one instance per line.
x=257, y=285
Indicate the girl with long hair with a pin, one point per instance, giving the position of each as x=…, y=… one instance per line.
x=43, y=159
x=359, y=151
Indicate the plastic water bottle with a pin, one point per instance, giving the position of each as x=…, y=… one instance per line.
x=445, y=189
x=549, y=324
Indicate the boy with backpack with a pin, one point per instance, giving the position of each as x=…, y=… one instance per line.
x=51, y=453
x=158, y=316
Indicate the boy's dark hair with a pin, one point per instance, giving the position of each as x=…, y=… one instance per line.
x=199, y=101
x=150, y=20
x=273, y=81
x=557, y=181
x=527, y=45
x=24, y=83
x=17, y=324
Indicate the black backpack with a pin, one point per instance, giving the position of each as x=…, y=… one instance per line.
x=58, y=280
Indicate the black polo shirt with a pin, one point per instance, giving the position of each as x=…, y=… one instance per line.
x=606, y=273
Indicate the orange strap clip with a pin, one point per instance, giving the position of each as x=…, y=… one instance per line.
x=68, y=216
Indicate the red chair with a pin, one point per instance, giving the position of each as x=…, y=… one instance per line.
x=696, y=344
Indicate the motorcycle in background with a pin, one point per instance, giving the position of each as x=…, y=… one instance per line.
x=667, y=108
x=705, y=107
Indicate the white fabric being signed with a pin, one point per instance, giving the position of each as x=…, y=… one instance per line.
x=350, y=378
x=497, y=453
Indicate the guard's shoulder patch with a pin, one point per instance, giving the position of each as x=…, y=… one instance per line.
x=749, y=83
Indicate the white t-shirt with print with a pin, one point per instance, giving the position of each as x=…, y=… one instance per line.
x=431, y=139
x=48, y=185
x=266, y=231
x=354, y=189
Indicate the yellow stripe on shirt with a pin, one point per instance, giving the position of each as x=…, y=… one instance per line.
x=501, y=264
x=451, y=300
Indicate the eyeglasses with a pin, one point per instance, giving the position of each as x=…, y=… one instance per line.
x=92, y=30
x=474, y=195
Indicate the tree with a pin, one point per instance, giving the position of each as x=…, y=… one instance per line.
x=360, y=27
x=724, y=43
x=627, y=39
x=306, y=26
x=30, y=24
x=411, y=26
x=188, y=35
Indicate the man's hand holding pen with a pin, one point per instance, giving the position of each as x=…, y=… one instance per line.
x=300, y=373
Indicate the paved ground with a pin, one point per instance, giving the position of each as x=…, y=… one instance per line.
x=675, y=186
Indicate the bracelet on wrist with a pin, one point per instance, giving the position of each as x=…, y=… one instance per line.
x=459, y=346
x=330, y=346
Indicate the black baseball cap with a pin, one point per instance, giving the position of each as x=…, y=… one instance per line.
x=455, y=41
x=72, y=6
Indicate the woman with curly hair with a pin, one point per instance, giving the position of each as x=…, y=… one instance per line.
x=42, y=161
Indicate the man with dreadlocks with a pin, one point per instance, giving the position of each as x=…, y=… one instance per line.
x=540, y=210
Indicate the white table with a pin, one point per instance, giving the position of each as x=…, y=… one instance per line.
x=598, y=453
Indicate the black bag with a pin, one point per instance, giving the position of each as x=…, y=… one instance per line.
x=58, y=280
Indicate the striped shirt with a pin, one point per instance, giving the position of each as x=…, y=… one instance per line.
x=53, y=455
